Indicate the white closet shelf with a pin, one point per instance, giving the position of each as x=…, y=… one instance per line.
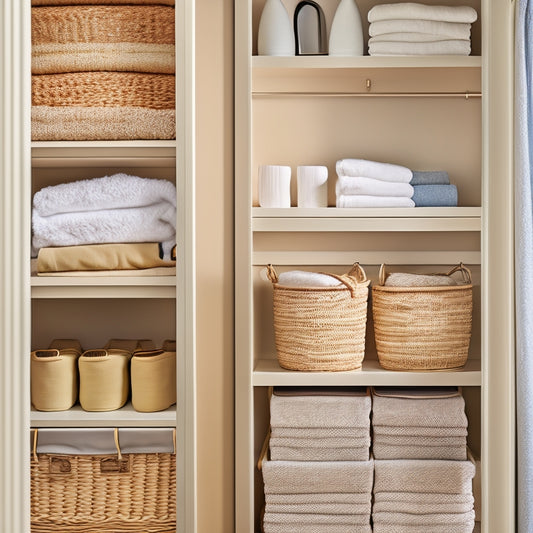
x=124, y=417
x=103, y=287
x=370, y=219
x=450, y=61
x=267, y=372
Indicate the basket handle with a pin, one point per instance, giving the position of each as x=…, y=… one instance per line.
x=382, y=274
x=357, y=272
x=349, y=282
x=264, y=451
x=467, y=274
x=119, y=453
x=34, y=451
x=271, y=273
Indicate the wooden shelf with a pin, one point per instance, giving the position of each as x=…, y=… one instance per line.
x=450, y=61
x=267, y=372
x=124, y=417
x=370, y=219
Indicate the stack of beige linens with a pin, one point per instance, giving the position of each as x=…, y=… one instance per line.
x=319, y=476
x=419, y=423
x=103, y=70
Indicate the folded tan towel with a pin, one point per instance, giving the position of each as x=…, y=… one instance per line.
x=101, y=123
x=397, y=528
x=435, y=498
x=121, y=256
x=104, y=89
x=353, y=498
x=319, y=433
x=315, y=528
x=295, y=477
x=288, y=453
x=432, y=519
x=430, y=412
x=385, y=451
x=320, y=508
x=325, y=442
x=421, y=508
x=425, y=476
x=427, y=431
x=320, y=411
x=317, y=519
x=405, y=440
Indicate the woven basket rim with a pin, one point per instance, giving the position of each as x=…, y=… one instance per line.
x=437, y=288
x=339, y=287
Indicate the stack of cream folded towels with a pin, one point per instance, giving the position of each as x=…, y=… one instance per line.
x=364, y=183
x=423, y=476
x=417, y=29
x=319, y=476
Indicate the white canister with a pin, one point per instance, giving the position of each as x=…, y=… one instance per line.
x=275, y=35
x=312, y=186
x=274, y=186
x=346, y=34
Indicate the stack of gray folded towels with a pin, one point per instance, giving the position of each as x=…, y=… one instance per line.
x=365, y=183
x=319, y=476
x=416, y=29
x=423, y=475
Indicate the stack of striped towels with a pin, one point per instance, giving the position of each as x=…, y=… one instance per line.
x=319, y=476
x=364, y=183
x=118, y=223
x=418, y=29
x=103, y=69
x=423, y=475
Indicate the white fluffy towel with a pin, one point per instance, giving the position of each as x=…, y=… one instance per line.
x=411, y=10
x=373, y=169
x=111, y=209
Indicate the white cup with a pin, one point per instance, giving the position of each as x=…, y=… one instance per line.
x=274, y=186
x=312, y=186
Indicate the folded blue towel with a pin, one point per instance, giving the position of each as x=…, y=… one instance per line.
x=435, y=195
x=430, y=177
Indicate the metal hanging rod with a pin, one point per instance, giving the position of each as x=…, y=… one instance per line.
x=466, y=95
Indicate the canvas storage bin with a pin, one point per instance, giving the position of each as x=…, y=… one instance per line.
x=423, y=328
x=321, y=328
x=103, y=480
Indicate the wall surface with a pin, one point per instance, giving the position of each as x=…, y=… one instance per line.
x=214, y=239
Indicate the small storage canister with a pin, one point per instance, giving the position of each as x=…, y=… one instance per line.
x=103, y=480
x=321, y=328
x=423, y=328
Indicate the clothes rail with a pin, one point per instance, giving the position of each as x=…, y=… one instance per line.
x=466, y=95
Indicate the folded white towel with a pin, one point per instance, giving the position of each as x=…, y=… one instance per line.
x=292, y=453
x=355, y=498
x=301, y=278
x=296, y=477
x=374, y=201
x=317, y=528
x=419, y=508
x=423, y=412
x=408, y=37
x=433, y=519
x=112, y=209
x=411, y=10
x=318, y=433
x=373, y=169
x=320, y=508
x=452, y=30
x=320, y=411
x=398, y=48
x=348, y=185
x=316, y=519
x=424, y=475
x=326, y=442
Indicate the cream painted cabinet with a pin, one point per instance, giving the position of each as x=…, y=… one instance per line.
x=36, y=310
x=429, y=112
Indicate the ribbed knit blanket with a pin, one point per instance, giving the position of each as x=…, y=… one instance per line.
x=85, y=2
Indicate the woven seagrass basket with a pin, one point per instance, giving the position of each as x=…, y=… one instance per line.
x=321, y=328
x=130, y=493
x=423, y=328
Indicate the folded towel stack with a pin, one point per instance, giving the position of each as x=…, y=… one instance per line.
x=422, y=423
x=426, y=496
x=319, y=476
x=417, y=29
x=109, y=223
x=363, y=183
x=102, y=70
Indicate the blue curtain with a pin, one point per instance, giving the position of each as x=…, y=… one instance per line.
x=524, y=259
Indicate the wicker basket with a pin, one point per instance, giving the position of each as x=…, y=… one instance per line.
x=423, y=328
x=103, y=494
x=321, y=328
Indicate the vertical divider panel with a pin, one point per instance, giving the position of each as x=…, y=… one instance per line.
x=14, y=266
